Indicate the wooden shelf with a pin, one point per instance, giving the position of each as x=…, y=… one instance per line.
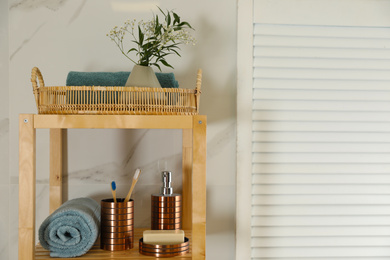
x=193, y=162
x=97, y=254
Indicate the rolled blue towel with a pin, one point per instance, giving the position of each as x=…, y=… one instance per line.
x=72, y=229
x=77, y=78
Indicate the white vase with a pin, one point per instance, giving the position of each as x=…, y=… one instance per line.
x=142, y=76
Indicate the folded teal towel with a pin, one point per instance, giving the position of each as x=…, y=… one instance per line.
x=76, y=78
x=72, y=229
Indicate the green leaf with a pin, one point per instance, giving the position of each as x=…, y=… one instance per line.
x=156, y=25
x=177, y=18
x=178, y=54
x=132, y=49
x=173, y=45
x=161, y=10
x=140, y=35
x=158, y=66
x=185, y=23
x=166, y=63
x=168, y=19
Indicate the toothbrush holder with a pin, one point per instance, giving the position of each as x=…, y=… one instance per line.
x=117, y=225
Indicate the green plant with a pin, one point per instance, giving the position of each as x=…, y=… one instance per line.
x=155, y=40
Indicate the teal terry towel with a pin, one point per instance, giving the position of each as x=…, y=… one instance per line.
x=72, y=229
x=77, y=78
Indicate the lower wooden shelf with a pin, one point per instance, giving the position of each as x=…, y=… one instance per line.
x=98, y=254
x=194, y=153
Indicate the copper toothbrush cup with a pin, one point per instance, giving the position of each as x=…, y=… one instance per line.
x=117, y=225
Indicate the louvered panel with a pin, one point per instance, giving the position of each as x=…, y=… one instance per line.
x=291, y=125
x=366, y=220
x=322, y=95
x=320, y=231
x=321, y=142
x=325, y=63
x=323, y=105
x=323, y=242
x=320, y=252
x=327, y=199
x=321, y=41
x=320, y=157
x=317, y=52
x=321, y=258
x=322, y=179
x=313, y=73
x=320, y=210
x=322, y=31
x=321, y=168
x=321, y=116
x=310, y=189
x=341, y=137
x=320, y=147
x=321, y=84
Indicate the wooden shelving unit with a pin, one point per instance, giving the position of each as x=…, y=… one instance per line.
x=194, y=175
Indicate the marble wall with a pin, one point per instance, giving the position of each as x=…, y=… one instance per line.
x=5, y=215
x=62, y=35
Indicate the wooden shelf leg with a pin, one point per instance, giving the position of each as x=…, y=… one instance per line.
x=55, y=168
x=187, y=179
x=27, y=178
x=199, y=188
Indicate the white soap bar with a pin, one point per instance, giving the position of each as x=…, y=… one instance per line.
x=163, y=237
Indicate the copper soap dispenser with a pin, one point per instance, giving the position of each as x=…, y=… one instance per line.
x=166, y=206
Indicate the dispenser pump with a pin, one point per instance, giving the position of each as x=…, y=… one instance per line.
x=166, y=189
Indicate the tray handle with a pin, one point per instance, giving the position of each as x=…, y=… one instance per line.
x=36, y=74
x=198, y=88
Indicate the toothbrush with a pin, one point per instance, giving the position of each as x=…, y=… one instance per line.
x=135, y=179
x=113, y=190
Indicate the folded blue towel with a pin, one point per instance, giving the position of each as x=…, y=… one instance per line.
x=77, y=78
x=72, y=229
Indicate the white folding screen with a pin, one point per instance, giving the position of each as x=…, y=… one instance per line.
x=318, y=138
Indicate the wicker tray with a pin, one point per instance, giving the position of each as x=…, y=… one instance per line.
x=101, y=100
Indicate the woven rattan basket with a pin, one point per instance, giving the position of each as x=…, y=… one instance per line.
x=101, y=100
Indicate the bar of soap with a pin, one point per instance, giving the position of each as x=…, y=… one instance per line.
x=163, y=237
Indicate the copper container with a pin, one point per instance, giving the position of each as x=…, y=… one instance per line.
x=116, y=229
x=169, y=215
x=106, y=235
x=165, y=226
x=117, y=225
x=166, y=212
x=164, y=250
x=167, y=203
x=167, y=220
x=165, y=199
